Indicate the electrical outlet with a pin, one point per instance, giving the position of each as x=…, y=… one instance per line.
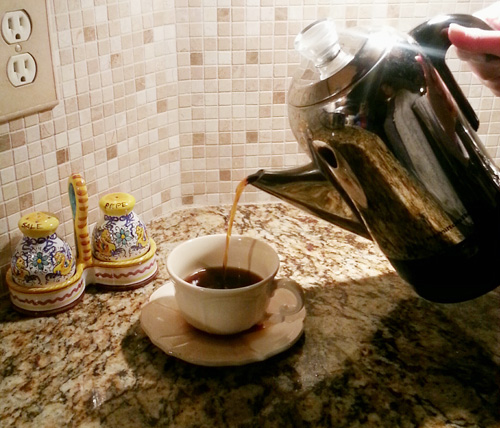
x=16, y=27
x=21, y=69
x=27, y=81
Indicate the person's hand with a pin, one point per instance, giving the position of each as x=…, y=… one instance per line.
x=480, y=48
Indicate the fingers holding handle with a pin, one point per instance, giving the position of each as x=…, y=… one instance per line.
x=480, y=48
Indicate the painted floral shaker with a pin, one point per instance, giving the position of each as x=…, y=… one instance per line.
x=41, y=258
x=121, y=235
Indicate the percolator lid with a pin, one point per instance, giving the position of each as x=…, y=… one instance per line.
x=333, y=61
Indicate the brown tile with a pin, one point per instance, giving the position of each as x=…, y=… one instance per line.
x=62, y=156
x=224, y=138
x=66, y=56
x=24, y=186
x=277, y=161
x=278, y=97
x=103, y=32
x=148, y=36
x=140, y=84
x=16, y=125
x=196, y=58
x=252, y=57
x=48, y=146
x=72, y=121
x=197, y=73
x=200, y=188
x=264, y=111
x=199, y=152
x=38, y=181
x=60, y=125
x=46, y=129
x=26, y=201
x=98, y=127
x=92, y=188
x=96, y=113
x=83, y=101
x=12, y=207
x=111, y=152
x=223, y=14
x=18, y=139
x=225, y=175
x=187, y=200
x=116, y=60
x=198, y=138
x=161, y=106
x=158, y=211
x=174, y=155
x=281, y=14
x=165, y=196
x=224, y=72
x=252, y=137
x=89, y=34
x=196, y=44
x=45, y=116
x=93, y=66
x=144, y=153
x=70, y=105
x=109, y=109
x=4, y=142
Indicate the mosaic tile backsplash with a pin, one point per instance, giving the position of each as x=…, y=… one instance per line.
x=177, y=101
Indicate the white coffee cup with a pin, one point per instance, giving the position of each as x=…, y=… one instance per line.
x=229, y=311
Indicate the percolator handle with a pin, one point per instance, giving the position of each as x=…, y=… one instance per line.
x=432, y=36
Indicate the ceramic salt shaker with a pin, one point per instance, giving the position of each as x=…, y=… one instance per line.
x=121, y=235
x=41, y=258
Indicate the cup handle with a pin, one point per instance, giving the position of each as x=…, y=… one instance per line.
x=286, y=310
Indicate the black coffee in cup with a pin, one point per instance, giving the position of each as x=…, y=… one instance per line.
x=220, y=278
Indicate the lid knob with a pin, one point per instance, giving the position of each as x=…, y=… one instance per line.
x=318, y=42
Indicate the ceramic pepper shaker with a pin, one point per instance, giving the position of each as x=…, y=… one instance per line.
x=121, y=235
x=41, y=258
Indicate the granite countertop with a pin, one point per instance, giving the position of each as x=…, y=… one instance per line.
x=372, y=352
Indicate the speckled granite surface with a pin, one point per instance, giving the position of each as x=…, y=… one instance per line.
x=372, y=352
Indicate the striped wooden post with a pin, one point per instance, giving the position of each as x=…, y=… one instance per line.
x=79, y=199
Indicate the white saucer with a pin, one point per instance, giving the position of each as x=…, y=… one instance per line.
x=167, y=329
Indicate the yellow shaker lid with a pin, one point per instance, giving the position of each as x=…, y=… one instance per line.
x=117, y=204
x=38, y=224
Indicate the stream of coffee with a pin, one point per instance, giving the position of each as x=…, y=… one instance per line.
x=239, y=191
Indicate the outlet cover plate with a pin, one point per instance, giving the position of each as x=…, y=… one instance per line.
x=41, y=94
